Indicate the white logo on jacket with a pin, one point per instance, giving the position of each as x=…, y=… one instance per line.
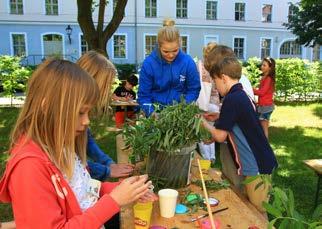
x=182, y=78
x=56, y=179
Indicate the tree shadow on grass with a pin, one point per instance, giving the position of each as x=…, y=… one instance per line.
x=318, y=111
x=291, y=147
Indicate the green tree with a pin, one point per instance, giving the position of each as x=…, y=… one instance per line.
x=95, y=34
x=306, y=22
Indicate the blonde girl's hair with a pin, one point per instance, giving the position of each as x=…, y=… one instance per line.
x=168, y=33
x=104, y=72
x=56, y=92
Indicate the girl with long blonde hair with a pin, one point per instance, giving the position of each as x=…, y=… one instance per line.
x=46, y=178
x=101, y=166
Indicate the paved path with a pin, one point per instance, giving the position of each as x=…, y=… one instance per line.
x=16, y=101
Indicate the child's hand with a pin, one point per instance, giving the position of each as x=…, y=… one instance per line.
x=131, y=189
x=211, y=116
x=148, y=197
x=121, y=170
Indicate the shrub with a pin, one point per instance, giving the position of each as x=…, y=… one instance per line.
x=13, y=76
x=296, y=79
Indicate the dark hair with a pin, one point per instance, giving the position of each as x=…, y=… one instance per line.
x=133, y=80
x=271, y=63
x=229, y=66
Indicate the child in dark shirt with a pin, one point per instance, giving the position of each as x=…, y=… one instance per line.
x=125, y=93
x=239, y=123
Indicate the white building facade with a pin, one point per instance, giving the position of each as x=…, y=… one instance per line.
x=37, y=29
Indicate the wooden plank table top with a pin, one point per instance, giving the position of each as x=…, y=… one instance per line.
x=315, y=165
x=240, y=214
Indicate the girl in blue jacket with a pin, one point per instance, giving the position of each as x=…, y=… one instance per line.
x=167, y=73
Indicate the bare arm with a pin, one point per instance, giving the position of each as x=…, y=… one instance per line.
x=217, y=134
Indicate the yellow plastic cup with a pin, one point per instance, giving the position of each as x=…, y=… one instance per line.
x=142, y=215
x=205, y=164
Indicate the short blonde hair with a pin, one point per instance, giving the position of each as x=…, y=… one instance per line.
x=56, y=92
x=104, y=72
x=168, y=33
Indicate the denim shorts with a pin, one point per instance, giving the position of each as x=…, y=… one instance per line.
x=265, y=116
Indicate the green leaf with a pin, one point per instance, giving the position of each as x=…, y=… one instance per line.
x=271, y=210
x=317, y=212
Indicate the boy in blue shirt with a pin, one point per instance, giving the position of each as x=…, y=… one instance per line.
x=239, y=123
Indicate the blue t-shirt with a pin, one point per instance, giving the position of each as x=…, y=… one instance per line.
x=253, y=154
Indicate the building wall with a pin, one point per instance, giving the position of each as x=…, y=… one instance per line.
x=34, y=23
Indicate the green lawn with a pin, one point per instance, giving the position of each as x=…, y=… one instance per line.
x=295, y=135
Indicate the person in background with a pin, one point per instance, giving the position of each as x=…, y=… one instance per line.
x=48, y=147
x=167, y=74
x=265, y=93
x=238, y=121
x=101, y=166
x=208, y=150
x=125, y=93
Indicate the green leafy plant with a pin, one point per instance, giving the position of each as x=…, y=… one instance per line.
x=13, y=76
x=281, y=208
x=167, y=141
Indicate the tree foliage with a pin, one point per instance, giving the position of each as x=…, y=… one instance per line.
x=95, y=33
x=306, y=22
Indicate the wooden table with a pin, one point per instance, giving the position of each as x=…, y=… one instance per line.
x=316, y=166
x=241, y=214
x=123, y=103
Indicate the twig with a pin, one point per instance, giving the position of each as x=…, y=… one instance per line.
x=206, y=197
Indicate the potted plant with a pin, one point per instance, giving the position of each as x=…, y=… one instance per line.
x=167, y=142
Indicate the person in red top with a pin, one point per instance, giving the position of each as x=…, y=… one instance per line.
x=46, y=179
x=265, y=92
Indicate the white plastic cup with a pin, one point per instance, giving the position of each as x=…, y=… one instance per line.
x=167, y=202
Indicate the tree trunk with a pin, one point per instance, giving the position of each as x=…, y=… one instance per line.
x=98, y=37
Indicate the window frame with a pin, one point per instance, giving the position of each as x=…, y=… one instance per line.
x=244, y=47
x=126, y=46
x=23, y=7
x=271, y=47
x=58, y=8
x=216, y=10
x=181, y=9
x=265, y=19
x=12, y=45
x=210, y=36
x=51, y=33
x=151, y=9
x=80, y=35
x=144, y=42
x=188, y=43
x=290, y=55
x=243, y=3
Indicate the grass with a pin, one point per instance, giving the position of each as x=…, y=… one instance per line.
x=295, y=135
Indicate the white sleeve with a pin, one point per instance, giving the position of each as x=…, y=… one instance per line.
x=247, y=86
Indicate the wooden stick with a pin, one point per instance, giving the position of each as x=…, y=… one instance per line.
x=206, y=197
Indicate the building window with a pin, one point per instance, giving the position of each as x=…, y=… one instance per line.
x=18, y=44
x=83, y=45
x=266, y=47
x=239, y=47
x=239, y=11
x=150, y=8
x=182, y=8
x=211, y=10
x=184, y=44
x=51, y=7
x=291, y=11
x=267, y=13
x=16, y=7
x=150, y=42
x=290, y=49
x=119, y=46
x=53, y=45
